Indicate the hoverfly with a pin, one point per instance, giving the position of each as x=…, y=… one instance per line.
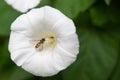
x=40, y=43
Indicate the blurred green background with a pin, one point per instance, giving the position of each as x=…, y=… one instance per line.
x=98, y=28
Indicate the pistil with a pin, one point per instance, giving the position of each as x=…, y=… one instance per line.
x=45, y=43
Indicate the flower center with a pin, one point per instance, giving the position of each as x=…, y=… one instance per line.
x=45, y=43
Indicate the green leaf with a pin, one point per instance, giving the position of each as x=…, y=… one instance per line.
x=4, y=56
x=99, y=15
x=102, y=15
x=7, y=16
x=19, y=74
x=114, y=14
x=116, y=72
x=56, y=77
x=15, y=73
x=113, y=29
x=97, y=57
x=107, y=2
x=45, y=2
x=72, y=8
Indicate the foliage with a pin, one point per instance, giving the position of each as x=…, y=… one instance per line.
x=98, y=28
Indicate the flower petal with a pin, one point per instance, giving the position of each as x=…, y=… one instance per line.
x=23, y=5
x=61, y=58
x=35, y=17
x=69, y=43
x=52, y=16
x=40, y=64
x=64, y=27
x=20, y=48
x=21, y=25
x=44, y=17
x=49, y=63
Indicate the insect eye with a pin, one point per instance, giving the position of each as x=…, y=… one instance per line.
x=43, y=39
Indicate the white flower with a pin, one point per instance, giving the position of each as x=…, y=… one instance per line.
x=23, y=5
x=43, y=41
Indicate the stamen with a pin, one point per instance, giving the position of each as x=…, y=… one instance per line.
x=52, y=37
x=45, y=43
